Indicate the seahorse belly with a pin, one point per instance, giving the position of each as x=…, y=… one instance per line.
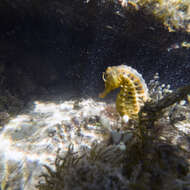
x=127, y=101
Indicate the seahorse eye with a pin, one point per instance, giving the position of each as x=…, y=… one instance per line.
x=115, y=80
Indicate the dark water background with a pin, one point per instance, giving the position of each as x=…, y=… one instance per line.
x=57, y=52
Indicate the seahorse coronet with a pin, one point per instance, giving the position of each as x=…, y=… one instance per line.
x=133, y=89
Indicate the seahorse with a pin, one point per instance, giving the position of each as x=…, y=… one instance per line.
x=133, y=89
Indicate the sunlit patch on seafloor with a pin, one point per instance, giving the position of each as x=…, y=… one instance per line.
x=32, y=139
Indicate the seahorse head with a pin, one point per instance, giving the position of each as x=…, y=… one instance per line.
x=112, y=80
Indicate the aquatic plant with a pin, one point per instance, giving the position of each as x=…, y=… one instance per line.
x=155, y=110
x=98, y=168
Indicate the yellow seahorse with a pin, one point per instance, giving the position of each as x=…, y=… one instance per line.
x=133, y=89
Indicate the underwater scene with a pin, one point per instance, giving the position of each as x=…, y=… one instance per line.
x=95, y=95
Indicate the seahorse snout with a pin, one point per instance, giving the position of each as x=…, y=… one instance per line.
x=104, y=93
